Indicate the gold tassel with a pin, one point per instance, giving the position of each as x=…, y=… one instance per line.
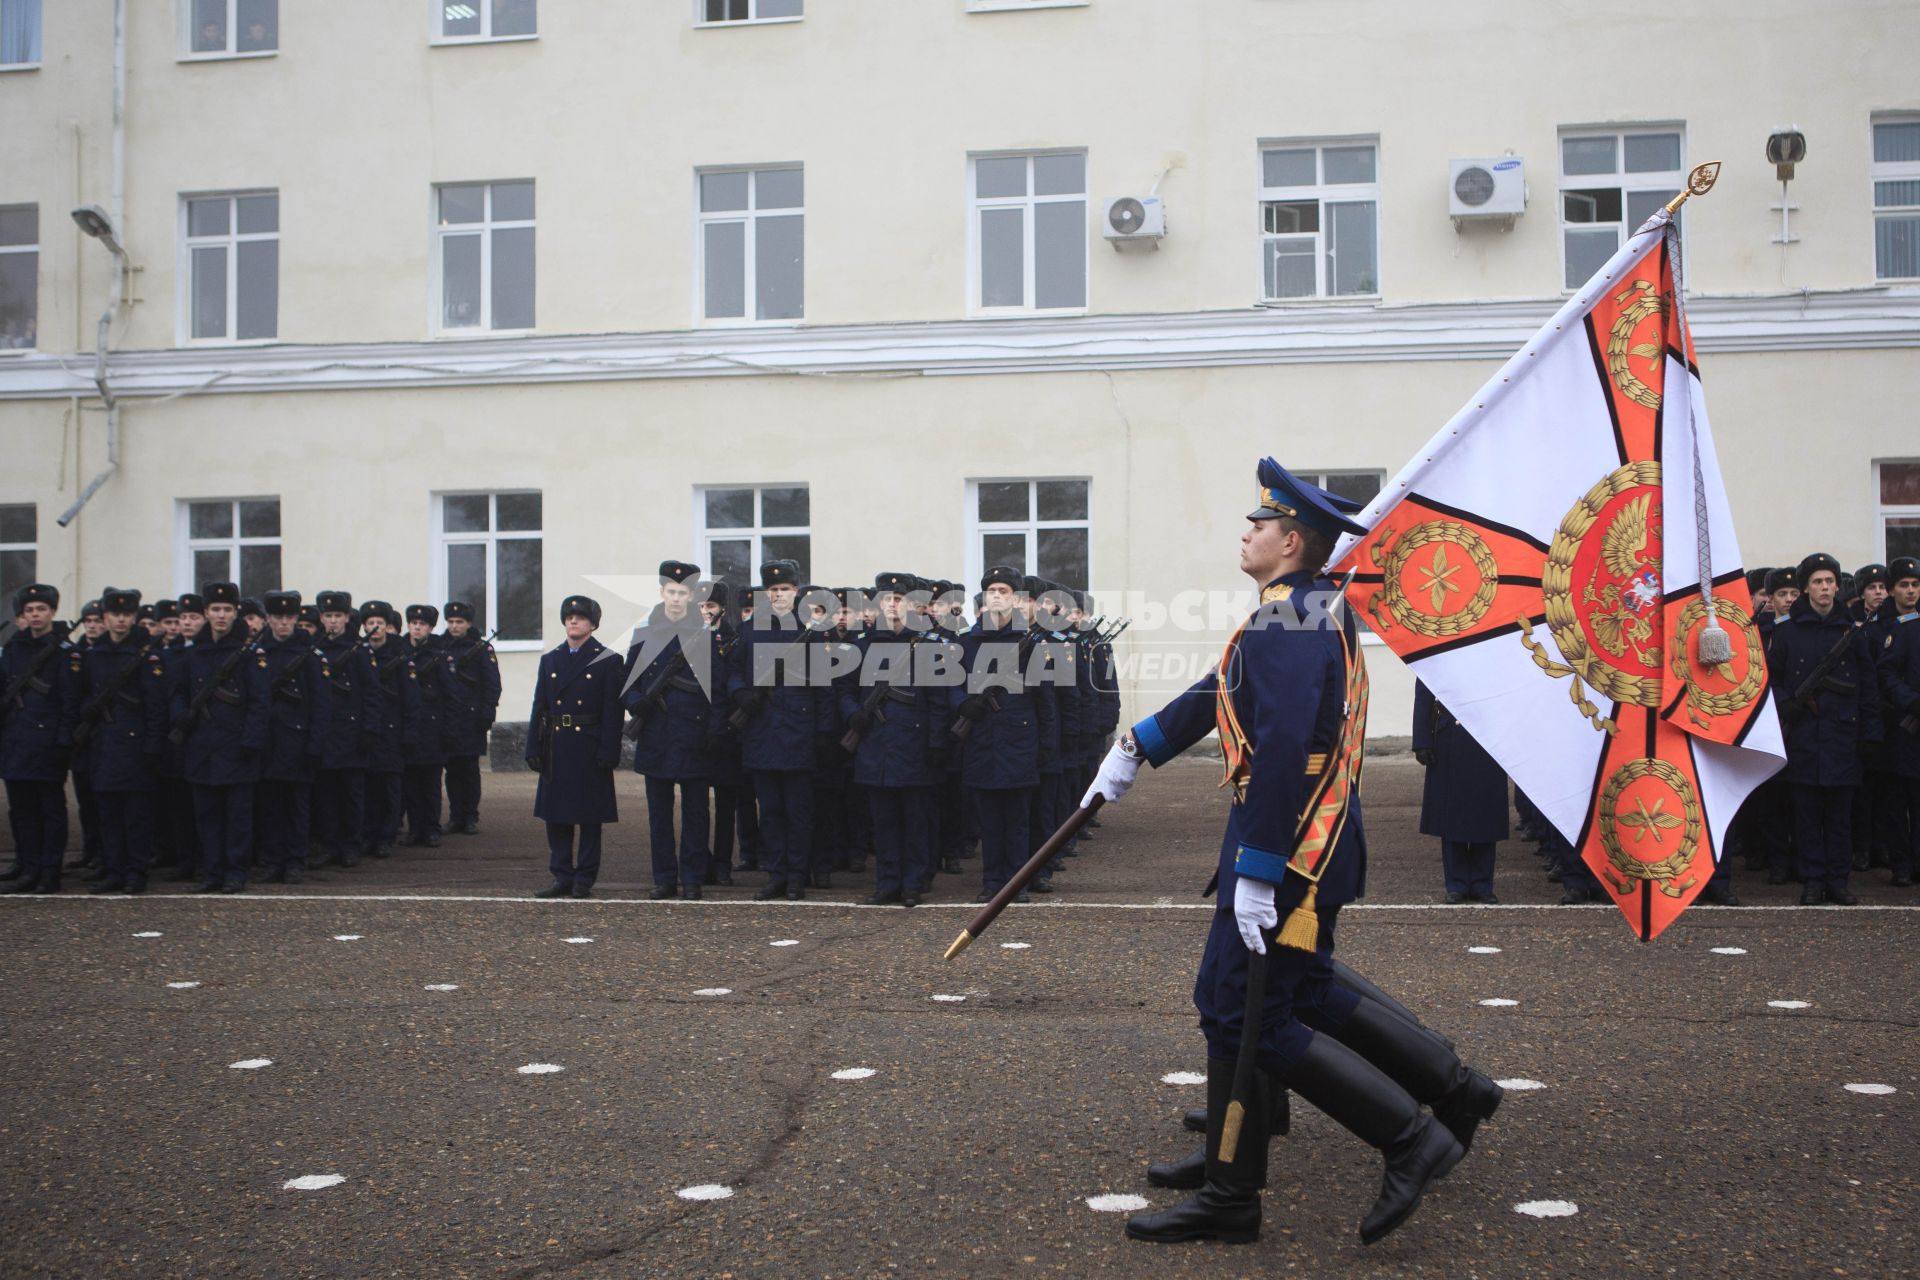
x=1301, y=929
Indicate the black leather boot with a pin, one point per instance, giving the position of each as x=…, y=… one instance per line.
x=1421, y=1061
x=1227, y=1206
x=1364, y=1101
x=1190, y=1173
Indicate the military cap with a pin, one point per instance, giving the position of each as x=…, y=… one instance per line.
x=458, y=609
x=1005, y=575
x=1814, y=564
x=190, y=602
x=392, y=615
x=423, y=613
x=678, y=571
x=1284, y=494
x=251, y=608
x=119, y=600
x=216, y=593
x=147, y=613
x=376, y=609
x=283, y=604
x=1031, y=585
x=36, y=593
x=165, y=607
x=719, y=591
x=334, y=602
x=1902, y=567
x=1757, y=579
x=585, y=606
x=744, y=599
x=1867, y=575
x=91, y=609
x=780, y=573
x=1783, y=579
x=310, y=614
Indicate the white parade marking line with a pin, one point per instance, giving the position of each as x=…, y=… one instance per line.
x=949, y=999
x=541, y=1069
x=151, y=933
x=1183, y=1077
x=1016, y=946
x=1520, y=1085
x=1499, y=1002
x=250, y=1064
x=182, y=986
x=785, y=942
x=1116, y=1203
x=348, y=937
x=714, y=991
x=443, y=986
x=1729, y=951
x=1483, y=951
x=705, y=1191
x=576, y=941
x=1871, y=1088
x=1788, y=1004
x=1547, y=1208
x=313, y=1182
x=861, y=1073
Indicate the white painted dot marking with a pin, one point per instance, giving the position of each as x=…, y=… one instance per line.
x=705, y=1191
x=577, y=941
x=1499, y=1002
x=1016, y=946
x=443, y=986
x=182, y=986
x=1788, y=1004
x=541, y=1069
x=785, y=942
x=714, y=991
x=1547, y=1208
x=1116, y=1204
x=1876, y=1089
x=1483, y=951
x=313, y=1182
x=1521, y=1085
x=861, y=1073
x=348, y=937
x=949, y=999
x=150, y=933
x=249, y=1064
x=1729, y=951
x=1183, y=1077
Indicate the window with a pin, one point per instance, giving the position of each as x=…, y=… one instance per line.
x=716, y=12
x=752, y=244
x=1041, y=527
x=1358, y=486
x=19, y=275
x=1319, y=220
x=1029, y=232
x=231, y=540
x=490, y=558
x=232, y=267
x=1899, y=509
x=1003, y=6
x=467, y=20
x=1896, y=199
x=19, y=33
x=485, y=255
x=740, y=529
x=1611, y=183
x=19, y=556
x=222, y=28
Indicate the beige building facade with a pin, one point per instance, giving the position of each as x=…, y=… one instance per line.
x=516, y=299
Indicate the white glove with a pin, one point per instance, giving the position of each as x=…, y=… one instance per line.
x=1253, y=911
x=1116, y=774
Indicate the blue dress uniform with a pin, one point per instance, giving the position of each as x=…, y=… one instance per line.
x=174, y=798
x=723, y=747
x=81, y=639
x=951, y=813
x=340, y=785
x=837, y=662
x=1464, y=801
x=298, y=684
x=473, y=701
x=35, y=742
x=574, y=742
x=1873, y=802
x=1004, y=719
x=384, y=715
x=780, y=712
x=423, y=743
x=1826, y=726
x=1051, y=672
x=900, y=716
x=226, y=678
x=121, y=692
x=670, y=670
x=1898, y=664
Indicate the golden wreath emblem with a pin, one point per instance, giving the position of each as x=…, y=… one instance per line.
x=1648, y=800
x=1702, y=704
x=1439, y=579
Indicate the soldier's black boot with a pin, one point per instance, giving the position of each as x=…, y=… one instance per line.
x=1227, y=1206
x=1421, y=1061
x=1188, y=1174
x=1363, y=1100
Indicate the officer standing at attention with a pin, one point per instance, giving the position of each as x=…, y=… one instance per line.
x=1830, y=708
x=35, y=738
x=779, y=712
x=340, y=786
x=574, y=745
x=723, y=748
x=671, y=721
x=298, y=683
x=1899, y=674
x=120, y=688
x=384, y=714
x=473, y=700
x=1464, y=800
x=220, y=709
x=92, y=859
x=173, y=800
x=1289, y=699
x=423, y=728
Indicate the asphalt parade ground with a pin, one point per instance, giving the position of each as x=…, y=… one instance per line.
x=473, y=1083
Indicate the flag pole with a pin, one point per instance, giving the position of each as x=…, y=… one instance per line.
x=1699, y=182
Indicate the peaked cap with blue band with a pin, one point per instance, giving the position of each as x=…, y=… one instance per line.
x=1284, y=494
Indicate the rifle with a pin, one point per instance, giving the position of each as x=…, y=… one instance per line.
x=197, y=708
x=963, y=726
x=459, y=664
x=744, y=715
x=96, y=708
x=1114, y=634
x=284, y=681
x=871, y=712
x=1800, y=705
x=15, y=696
x=656, y=691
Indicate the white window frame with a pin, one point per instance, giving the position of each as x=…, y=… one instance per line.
x=185, y=52
x=757, y=532
x=491, y=538
x=231, y=241
x=750, y=216
x=1014, y=6
x=700, y=20
x=33, y=546
x=1324, y=194
x=437, y=13
x=1889, y=171
x=34, y=249
x=185, y=544
x=976, y=205
x=977, y=529
x=436, y=295
x=35, y=64
x=1669, y=182
x=1882, y=512
x=1320, y=478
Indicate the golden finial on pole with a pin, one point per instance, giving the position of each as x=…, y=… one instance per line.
x=1699, y=182
x=959, y=944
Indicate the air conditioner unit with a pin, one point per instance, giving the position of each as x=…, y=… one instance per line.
x=1134, y=218
x=1492, y=188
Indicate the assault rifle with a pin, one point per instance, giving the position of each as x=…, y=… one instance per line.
x=871, y=711
x=656, y=691
x=756, y=699
x=97, y=706
x=459, y=664
x=1801, y=704
x=990, y=700
x=16, y=694
x=198, y=707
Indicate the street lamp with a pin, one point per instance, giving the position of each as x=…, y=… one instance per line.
x=93, y=220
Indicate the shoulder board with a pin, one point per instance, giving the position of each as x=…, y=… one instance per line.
x=1908, y=617
x=1275, y=593
x=74, y=661
x=263, y=661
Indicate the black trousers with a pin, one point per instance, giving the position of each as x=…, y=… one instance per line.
x=1903, y=823
x=126, y=833
x=901, y=858
x=463, y=791
x=829, y=828
x=383, y=808
x=725, y=808
x=689, y=868
x=576, y=871
x=224, y=816
x=421, y=795
x=91, y=849
x=786, y=825
x=340, y=809
x=1823, y=835
x=1002, y=816
x=175, y=799
x=1041, y=823
x=39, y=814
x=285, y=811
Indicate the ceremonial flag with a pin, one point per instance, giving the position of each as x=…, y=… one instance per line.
x=1540, y=565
